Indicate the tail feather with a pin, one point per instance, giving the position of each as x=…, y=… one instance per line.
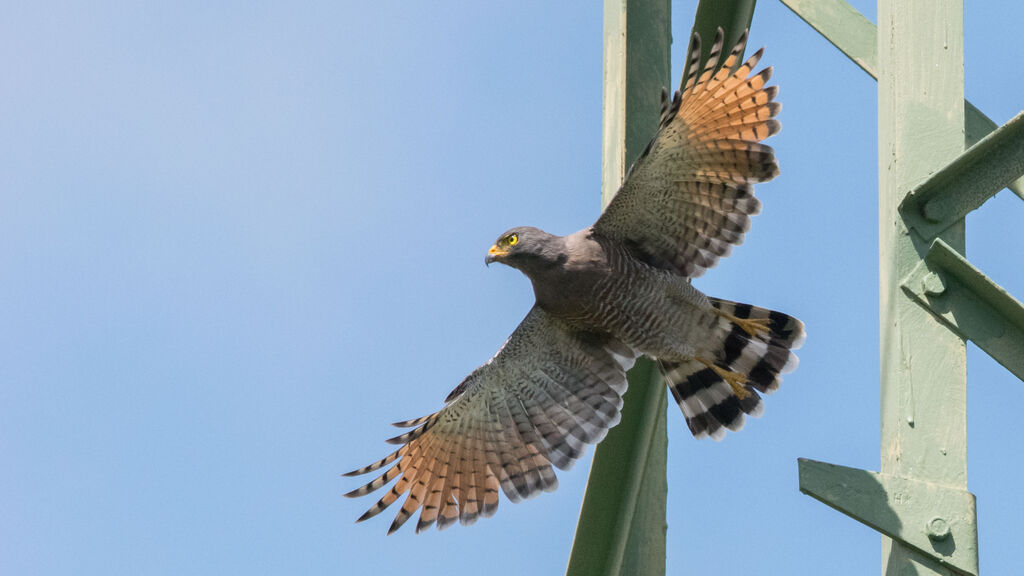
x=710, y=404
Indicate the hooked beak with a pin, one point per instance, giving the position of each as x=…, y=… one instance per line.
x=494, y=255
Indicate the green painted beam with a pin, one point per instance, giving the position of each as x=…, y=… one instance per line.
x=621, y=529
x=843, y=26
x=924, y=365
x=732, y=16
x=854, y=35
x=935, y=520
x=966, y=183
x=919, y=500
x=971, y=304
x=622, y=523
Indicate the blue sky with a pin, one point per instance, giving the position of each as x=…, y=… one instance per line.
x=238, y=239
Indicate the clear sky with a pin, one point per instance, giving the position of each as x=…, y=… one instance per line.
x=238, y=239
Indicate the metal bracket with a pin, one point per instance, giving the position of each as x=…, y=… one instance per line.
x=938, y=521
x=970, y=304
x=968, y=181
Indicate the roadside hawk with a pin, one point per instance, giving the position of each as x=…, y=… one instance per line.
x=605, y=295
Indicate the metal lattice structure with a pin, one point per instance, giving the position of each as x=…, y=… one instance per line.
x=932, y=298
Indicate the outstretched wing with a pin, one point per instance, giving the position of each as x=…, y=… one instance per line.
x=546, y=394
x=688, y=199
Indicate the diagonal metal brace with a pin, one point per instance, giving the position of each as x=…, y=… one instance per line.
x=854, y=35
x=968, y=181
x=970, y=304
x=939, y=521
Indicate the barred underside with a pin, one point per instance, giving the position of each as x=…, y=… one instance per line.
x=708, y=402
x=535, y=406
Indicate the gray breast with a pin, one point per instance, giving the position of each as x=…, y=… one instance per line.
x=602, y=287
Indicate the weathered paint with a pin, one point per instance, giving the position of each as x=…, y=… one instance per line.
x=919, y=500
x=924, y=365
x=969, y=303
x=934, y=520
x=968, y=181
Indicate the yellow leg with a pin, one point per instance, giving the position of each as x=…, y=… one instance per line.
x=735, y=380
x=752, y=326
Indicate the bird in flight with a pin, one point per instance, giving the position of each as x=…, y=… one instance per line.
x=605, y=295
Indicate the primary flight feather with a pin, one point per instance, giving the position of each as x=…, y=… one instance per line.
x=605, y=295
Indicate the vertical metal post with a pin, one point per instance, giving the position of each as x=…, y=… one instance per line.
x=920, y=129
x=732, y=16
x=622, y=526
x=931, y=296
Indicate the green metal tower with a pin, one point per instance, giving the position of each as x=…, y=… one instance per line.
x=932, y=300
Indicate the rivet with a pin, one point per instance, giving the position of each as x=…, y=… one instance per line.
x=933, y=284
x=937, y=529
x=934, y=211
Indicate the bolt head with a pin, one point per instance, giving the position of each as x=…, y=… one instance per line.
x=933, y=284
x=937, y=529
x=934, y=211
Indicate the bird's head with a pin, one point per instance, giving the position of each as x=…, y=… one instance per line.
x=528, y=249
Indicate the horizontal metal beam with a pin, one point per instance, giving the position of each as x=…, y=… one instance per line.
x=854, y=35
x=970, y=304
x=936, y=520
x=968, y=181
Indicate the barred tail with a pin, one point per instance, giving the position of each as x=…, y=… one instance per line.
x=751, y=348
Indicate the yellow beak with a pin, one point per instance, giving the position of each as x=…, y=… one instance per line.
x=494, y=253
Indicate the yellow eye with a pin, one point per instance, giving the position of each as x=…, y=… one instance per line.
x=512, y=239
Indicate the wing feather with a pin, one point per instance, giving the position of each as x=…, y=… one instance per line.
x=688, y=199
x=548, y=393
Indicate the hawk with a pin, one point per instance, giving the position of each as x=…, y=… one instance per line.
x=604, y=296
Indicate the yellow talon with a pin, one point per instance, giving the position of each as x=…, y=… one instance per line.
x=735, y=380
x=752, y=326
